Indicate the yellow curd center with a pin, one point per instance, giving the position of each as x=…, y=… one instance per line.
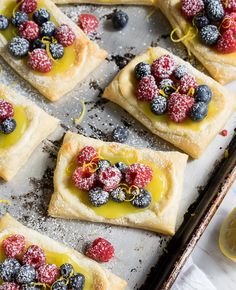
x=59, y=66
x=157, y=187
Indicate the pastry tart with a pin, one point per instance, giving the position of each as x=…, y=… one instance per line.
x=106, y=2
x=35, y=247
x=221, y=65
x=122, y=185
x=55, y=55
x=192, y=135
x=30, y=124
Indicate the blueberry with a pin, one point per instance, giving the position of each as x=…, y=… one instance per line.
x=66, y=270
x=59, y=285
x=201, y=21
x=159, y=105
x=167, y=85
x=119, y=19
x=209, y=34
x=215, y=11
x=120, y=134
x=203, y=94
x=143, y=200
x=26, y=274
x=40, y=16
x=8, y=126
x=4, y=23
x=9, y=269
x=142, y=69
x=19, y=18
x=121, y=166
x=18, y=46
x=37, y=43
x=57, y=50
x=180, y=71
x=98, y=196
x=76, y=282
x=199, y=111
x=118, y=195
x=102, y=164
x=47, y=29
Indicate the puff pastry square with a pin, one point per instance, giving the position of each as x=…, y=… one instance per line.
x=192, y=140
x=101, y=278
x=53, y=86
x=159, y=217
x=222, y=67
x=39, y=126
x=106, y=2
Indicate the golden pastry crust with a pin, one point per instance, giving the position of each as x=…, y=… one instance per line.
x=88, y=57
x=222, y=67
x=123, y=92
x=161, y=217
x=106, y=2
x=40, y=126
x=103, y=279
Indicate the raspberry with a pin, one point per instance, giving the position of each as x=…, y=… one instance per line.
x=9, y=286
x=88, y=22
x=48, y=273
x=28, y=6
x=163, y=67
x=110, y=178
x=147, y=89
x=230, y=5
x=29, y=30
x=179, y=107
x=186, y=83
x=100, y=250
x=86, y=155
x=84, y=179
x=6, y=110
x=40, y=61
x=229, y=23
x=13, y=246
x=227, y=42
x=34, y=256
x=190, y=8
x=65, y=35
x=139, y=175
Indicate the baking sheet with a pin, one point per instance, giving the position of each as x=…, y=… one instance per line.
x=30, y=191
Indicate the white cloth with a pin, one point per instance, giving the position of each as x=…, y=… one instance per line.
x=192, y=278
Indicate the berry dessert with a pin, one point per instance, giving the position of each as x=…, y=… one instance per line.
x=117, y=184
x=31, y=261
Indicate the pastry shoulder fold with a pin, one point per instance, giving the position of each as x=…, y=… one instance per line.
x=122, y=90
x=161, y=217
x=102, y=278
x=39, y=126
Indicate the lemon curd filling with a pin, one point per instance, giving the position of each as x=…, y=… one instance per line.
x=158, y=186
x=22, y=121
x=59, y=66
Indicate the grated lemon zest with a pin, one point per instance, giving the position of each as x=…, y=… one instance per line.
x=150, y=13
x=152, y=54
x=83, y=112
x=5, y=201
x=46, y=40
x=226, y=153
x=16, y=7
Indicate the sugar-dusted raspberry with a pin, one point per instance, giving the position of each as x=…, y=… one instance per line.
x=138, y=174
x=86, y=155
x=110, y=178
x=48, y=274
x=9, y=286
x=229, y=5
x=227, y=42
x=29, y=30
x=163, y=67
x=88, y=22
x=6, y=110
x=39, y=61
x=190, y=8
x=28, y=6
x=179, y=107
x=13, y=246
x=147, y=89
x=187, y=82
x=65, y=35
x=84, y=179
x=34, y=256
x=229, y=23
x=100, y=250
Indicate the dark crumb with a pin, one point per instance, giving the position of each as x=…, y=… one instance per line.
x=94, y=85
x=98, y=134
x=52, y=147
x=99, y=104
x=108, y=16
x=157, y=41
x=220, y=148
x=66, y=128
x=121, y=61
x=133, y=270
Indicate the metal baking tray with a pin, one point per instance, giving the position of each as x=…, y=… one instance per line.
x=141, y=256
